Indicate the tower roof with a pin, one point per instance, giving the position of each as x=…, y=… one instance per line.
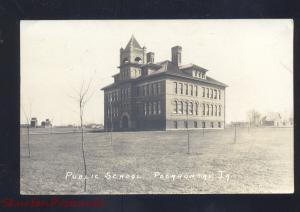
x=133, y=43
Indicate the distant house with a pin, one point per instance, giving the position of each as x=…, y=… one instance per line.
x=272, y=119
x=46, y=123
x=34, y=122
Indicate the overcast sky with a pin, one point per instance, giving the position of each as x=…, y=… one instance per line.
x=253, y=57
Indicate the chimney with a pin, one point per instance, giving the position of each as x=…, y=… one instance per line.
x=150, y=57
x=176, y=55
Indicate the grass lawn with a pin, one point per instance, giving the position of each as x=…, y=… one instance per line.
x=261, y=161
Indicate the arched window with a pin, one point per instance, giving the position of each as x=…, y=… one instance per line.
x=186, y=108
x=191, y=107
x=203, y=92
x=175, y=87
x=212, y=110
x=180, y=109
x=216, y=110
x=215, y=91
x=145, y=108
x=154, y=108
x=203, y=109
x=138, y=60
x=196, y=108
x=220, y=109
x=158, y=107
x=207, y=109
x=207, y=92
x=196, y=90
x=186, y=89
x=175, y=107
x=191, y=90
x=211, y=93
x=219, y=94
x=150, y=108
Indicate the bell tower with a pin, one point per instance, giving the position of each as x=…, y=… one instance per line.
x=131, y=59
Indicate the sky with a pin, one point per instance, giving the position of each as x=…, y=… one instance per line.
x=253, y=57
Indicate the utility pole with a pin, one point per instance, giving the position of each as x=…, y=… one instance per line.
x=187, y=128
x=111, y=121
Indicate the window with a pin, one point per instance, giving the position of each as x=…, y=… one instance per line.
x=175, y=124
x=216, y=110
x=207, y=109
x=195, y=124
x=196, y=108
x=203, y=109
x=175, y=87
x=185, y=124
x=203, y=124
x=158, y=107
x=144, y=90
x=219, y=124
x=150, y=108
x=211, y=124
x=158, y=88
x=220, y=110
x=186, y=89
x=207, y=92
x=175, y=107
x=186, y=108
x=211, y=93
x=196, y=90
x=203, y=92
x=180, y=107
x=154, y=89
x=138, y=60
x=215, y=91
x=212, y=110
x=219, y=94
x=154, y=108
x=125, y=92
x=191, y=108
x=191, y=90
x=150, y=90
x=145, y=108
x=181, y=88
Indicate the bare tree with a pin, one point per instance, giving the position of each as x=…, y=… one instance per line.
x=82, y=97
x=27, y=118
x=253, y=117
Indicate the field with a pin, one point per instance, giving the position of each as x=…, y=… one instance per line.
x=259, y=161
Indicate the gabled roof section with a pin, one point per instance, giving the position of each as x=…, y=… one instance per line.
x=190, y=66
x=167, y=65
x=133, y=43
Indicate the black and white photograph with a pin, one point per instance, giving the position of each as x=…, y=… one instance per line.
x=156, y=106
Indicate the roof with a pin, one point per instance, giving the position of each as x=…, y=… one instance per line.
x=132, y=44
x=168, y=69
x=191, y=65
